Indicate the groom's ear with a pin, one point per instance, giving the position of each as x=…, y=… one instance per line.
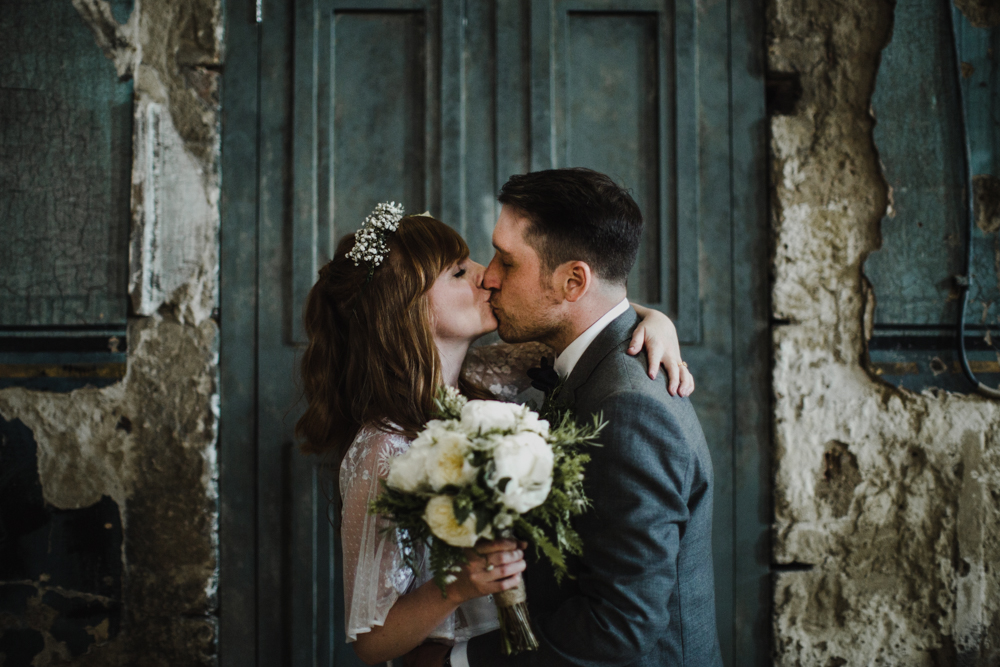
x=575, y=279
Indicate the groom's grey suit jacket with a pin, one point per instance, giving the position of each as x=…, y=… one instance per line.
x=644, y=593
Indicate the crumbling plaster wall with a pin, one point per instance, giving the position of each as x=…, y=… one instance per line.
x=887, y=503
x=149, y=441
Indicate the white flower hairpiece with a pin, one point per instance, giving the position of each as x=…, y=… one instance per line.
x=369, y=242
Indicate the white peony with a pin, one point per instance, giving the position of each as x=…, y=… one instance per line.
x=529, y=421
x=482, y=416
x=408, y=471
x=526, y=461
x=434, y=429
x=440, y=517
x=446, y=461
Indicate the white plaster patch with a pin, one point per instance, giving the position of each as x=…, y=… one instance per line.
x=174, y=248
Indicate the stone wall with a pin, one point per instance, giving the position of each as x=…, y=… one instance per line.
x=887, y=503
x=149, y=441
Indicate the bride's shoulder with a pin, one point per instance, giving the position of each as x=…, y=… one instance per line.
x=369, y=454
x=375, y=444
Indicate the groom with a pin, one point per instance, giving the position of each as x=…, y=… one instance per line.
x=643, y=592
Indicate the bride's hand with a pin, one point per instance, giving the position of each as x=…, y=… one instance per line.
x=493, y=567
x=659, y=336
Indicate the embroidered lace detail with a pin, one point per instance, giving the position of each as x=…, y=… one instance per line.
x=502, y=368
x=375, y=573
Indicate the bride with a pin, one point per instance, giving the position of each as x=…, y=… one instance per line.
x=390, y=319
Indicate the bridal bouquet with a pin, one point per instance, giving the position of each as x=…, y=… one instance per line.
x=489, y=470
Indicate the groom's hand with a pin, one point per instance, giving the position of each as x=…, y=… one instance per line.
x=426, y=655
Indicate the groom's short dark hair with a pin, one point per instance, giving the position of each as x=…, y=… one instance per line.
x=578, y=214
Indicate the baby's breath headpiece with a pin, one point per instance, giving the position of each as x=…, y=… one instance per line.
x=369, y=241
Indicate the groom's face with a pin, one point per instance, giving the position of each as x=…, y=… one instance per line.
x=523, y=299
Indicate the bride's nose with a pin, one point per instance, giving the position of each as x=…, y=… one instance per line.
x=477, y=271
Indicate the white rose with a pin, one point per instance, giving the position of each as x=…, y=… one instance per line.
x=480, y=416
x=526, y=461
x=440, y=517
x=530, y=421
x=446, y=461
x=434, y=429
x=408, y=471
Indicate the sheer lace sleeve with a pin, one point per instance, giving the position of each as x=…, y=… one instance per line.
x=374, y=573
x=502, y=368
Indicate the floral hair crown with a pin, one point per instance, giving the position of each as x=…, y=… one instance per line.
x=369, y=242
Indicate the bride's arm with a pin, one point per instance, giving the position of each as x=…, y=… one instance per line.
x=417, y=613
x=658, y=335
x=383, y=622
x=502, y=367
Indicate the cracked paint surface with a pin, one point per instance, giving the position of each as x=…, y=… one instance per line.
x=149, y=441
x=893, y=498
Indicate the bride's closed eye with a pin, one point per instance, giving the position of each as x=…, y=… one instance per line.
x=460, y=273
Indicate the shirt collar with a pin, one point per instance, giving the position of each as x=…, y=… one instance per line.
x=566, y=362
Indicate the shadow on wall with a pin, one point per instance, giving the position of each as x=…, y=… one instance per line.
x=60, y=570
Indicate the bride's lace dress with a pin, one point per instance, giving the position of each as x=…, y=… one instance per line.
x=374, y=572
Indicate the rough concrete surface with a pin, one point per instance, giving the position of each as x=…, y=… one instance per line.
x=149, y=442
x=888, y=501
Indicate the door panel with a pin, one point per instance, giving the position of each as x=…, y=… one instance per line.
x=435, y=103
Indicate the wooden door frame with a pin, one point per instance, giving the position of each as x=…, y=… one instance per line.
x=241, y=161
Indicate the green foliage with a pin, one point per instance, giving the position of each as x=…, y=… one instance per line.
x=547, y=527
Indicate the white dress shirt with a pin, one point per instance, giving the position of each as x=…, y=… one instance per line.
x=564, y=365
x=566, y=361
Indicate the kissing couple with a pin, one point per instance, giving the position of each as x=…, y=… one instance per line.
x=392, y=318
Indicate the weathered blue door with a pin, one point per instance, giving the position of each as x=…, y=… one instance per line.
x=435, y=103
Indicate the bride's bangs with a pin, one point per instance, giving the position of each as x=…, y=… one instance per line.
x=430, y=245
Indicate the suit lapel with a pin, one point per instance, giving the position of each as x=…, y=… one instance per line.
x=619, y=330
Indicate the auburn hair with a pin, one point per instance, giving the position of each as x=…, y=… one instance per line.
x=371, y=357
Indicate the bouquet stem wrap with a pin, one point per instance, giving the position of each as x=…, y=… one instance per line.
x=516, y=635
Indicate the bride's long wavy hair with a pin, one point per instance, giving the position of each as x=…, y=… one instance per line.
x=371, y=357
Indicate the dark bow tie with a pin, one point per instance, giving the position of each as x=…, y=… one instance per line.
x=544, y=377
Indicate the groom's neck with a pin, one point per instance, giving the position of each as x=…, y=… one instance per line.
x=582, y=314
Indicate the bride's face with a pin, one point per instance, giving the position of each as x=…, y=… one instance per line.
x=460, y=308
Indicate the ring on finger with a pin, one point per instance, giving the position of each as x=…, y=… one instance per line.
x=684, y=364
x=489, y=568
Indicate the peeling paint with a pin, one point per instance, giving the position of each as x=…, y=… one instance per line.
x=981, y=13
x=149, y=441
x=889, y=583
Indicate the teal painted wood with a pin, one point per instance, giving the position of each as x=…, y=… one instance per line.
x=513, y=90
x=751, y=499
x=920, y=147
x=355, y=118
x=238, y=342
x=981, y=91
x=713, y=356
x=685, y=168
x=65, y=171
x=275, y=475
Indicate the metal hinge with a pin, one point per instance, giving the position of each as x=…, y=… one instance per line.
x=260, y=11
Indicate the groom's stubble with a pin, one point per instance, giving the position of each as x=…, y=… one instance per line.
x=533, y=322
x=526, y=304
